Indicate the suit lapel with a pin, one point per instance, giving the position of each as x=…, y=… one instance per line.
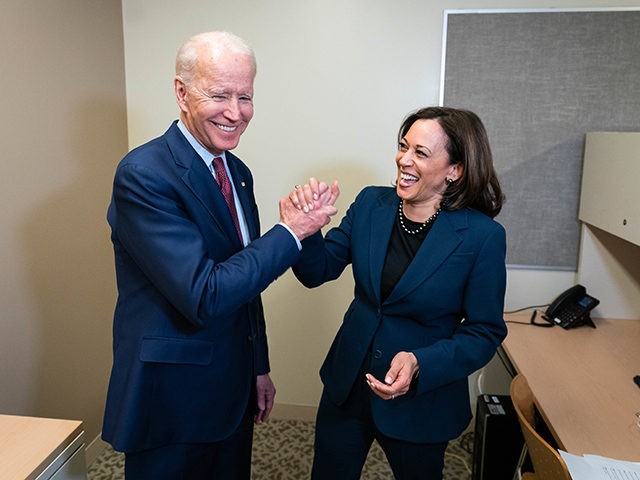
x=242, y=185
x=199, y=180
x=437, y=246
x=380, y=225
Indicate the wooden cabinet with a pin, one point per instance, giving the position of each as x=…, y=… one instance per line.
x=609, y=262
x=41, y=449
x=610, y=195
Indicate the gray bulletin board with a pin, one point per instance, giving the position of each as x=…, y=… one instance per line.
x=539, y=80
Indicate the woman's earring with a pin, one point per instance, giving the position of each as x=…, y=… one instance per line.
x=448, y=180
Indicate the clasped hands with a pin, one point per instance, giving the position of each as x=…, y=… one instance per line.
x=309, y=207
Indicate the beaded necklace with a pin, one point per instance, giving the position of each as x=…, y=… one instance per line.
x=421, y=227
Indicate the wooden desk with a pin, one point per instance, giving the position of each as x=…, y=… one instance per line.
x=33, y=447
x=582, y=380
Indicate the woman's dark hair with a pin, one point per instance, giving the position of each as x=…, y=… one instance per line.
x=468, y=145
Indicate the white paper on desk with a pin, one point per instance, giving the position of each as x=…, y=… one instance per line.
x=615, y=469
x=595, y=467
x=579, y=468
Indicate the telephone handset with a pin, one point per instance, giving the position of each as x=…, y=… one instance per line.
x=571, y=308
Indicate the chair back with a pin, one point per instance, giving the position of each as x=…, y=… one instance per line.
x=547, y=462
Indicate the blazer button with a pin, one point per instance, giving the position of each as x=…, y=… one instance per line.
x=250, y=338
x=377, y=354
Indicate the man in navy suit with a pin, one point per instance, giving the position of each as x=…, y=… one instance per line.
x=190, y=371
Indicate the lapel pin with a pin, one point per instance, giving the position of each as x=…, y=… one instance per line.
x=242, y=183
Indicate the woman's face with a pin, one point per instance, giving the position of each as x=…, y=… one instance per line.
x=423, y=164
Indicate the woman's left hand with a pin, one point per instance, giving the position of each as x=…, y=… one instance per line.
x=314, y=194
x=397, y=381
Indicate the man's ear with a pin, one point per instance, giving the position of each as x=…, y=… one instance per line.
x=181, y=92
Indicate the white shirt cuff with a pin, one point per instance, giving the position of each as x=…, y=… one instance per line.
x=293, y=235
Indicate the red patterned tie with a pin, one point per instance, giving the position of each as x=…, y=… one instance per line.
x=227, y=192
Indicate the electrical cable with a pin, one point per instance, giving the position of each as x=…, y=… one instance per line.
x=526, y=308
x=532, y=320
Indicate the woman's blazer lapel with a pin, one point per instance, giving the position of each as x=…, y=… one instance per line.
x=441, y=241
x=382, y=217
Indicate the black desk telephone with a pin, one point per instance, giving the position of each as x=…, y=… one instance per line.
x=571, y=308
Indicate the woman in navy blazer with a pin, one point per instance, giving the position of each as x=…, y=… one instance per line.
x=428, y=262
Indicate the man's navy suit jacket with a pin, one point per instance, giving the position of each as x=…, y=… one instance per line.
x=458, y=273
x=189, y=333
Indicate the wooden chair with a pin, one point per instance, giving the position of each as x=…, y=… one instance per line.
x=547, y=462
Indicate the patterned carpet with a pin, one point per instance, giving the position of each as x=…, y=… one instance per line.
x=283, y=450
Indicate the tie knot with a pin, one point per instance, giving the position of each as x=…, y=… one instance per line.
x=218, y=164
x=221, y=173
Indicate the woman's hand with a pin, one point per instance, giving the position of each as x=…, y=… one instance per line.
x=308, y=208
x=404, y=367
x=314, y=193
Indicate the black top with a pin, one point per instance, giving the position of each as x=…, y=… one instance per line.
x=402, y=248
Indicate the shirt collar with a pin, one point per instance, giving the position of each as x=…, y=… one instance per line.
x=206, y=155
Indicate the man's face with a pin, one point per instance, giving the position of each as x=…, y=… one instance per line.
x=218, y=105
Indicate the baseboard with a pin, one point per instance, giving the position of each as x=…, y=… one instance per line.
x=94, y=449
x=289, y=411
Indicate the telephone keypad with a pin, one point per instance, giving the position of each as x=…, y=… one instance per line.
x=568, y=316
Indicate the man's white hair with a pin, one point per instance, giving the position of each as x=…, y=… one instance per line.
x=187, y=57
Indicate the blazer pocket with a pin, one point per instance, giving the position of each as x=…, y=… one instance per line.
x=460, y=258
x=175, y=350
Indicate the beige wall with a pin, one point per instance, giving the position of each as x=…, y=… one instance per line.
x=63, y=130
x=335, y=79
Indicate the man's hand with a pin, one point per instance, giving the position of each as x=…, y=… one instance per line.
x=309, y=208
x=265, y=393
